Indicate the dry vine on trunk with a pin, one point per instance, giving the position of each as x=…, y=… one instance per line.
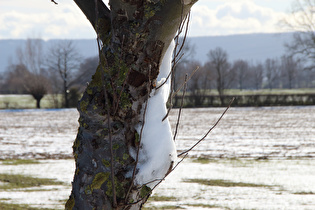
x=113, y=168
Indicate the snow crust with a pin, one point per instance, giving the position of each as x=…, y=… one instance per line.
x=157, y=148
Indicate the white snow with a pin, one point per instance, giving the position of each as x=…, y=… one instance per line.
x=157, y=149
x=285, y=134
x=288, y=180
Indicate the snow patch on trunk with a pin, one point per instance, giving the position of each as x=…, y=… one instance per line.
x=157, y=150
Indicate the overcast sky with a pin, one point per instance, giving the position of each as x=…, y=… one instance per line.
x=20, y=19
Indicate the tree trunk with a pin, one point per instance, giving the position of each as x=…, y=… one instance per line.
x=65, y=94
x=38, y=103
x=38, y=97
x=135, y=35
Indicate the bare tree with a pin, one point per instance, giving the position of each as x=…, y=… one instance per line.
x=257, y=75
x=302, y=20
x=219, y=60
x=199, y=83
x=180, y=69
x=2, y=82
x=289, y=68
x=65, y=60
x=31, y=57
x=110, y=150
x=18, y=80
x=14, y=79
x=241, y=69
x=272, y=70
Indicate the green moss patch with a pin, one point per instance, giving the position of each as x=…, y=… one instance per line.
x=19, y=162
x=304, y=193
x=162, y=198
x=204, y=206
x=10, y=206
x=162, y=207
x=224, y=183
x=15, y=181
x=201, y=160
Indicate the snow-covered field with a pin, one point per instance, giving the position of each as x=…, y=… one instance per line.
x=272, y=148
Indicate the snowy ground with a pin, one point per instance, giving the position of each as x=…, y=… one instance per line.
x=285, y=135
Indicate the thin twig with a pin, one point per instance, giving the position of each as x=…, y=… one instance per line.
x=111, y=149
x=109, y=136
x=140, y=138
x=108, y=115
x=179, y=162
x=160, y=180
x=171, y=72
x=53, y=1
x=176, y=52
x=203, y=138
x=185, y=82
x=175, y=61
x=137, y=155
x=185, y=35
x=180, y=108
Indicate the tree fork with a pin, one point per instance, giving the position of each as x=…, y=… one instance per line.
x=135, y=35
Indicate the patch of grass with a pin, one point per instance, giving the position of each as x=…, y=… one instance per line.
x=10, y=206
x=224, y=183
x=40, y=190
x=162, y=207
x=19, y=162
x=240, y=162
x=234, y=162
x=205, y=206
x=18, y=101
x=267, y=91
x=15, y=181
x=201, y=160
x=304, y=193
x=162, y=198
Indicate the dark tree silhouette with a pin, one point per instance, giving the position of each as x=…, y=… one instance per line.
x=65, y=60
x=31, y=59
x=219, y=60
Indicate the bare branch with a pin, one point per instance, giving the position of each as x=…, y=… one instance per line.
x=184, y=83
x=203, y=138
x=140, y=138
x=53, y=2
x=102, y=15
x=160, y=180
x=180, y=109
x=111, y=148
x=176, y=52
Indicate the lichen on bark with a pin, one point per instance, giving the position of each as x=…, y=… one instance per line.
x=134, y=36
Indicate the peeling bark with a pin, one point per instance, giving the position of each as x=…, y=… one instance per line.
x=135, y=35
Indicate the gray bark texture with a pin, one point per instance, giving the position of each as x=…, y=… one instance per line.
x=134, y=36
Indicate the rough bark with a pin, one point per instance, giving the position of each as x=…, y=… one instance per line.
x=135, y=35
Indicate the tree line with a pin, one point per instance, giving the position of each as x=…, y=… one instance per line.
x=61, y=71
x=219, y=74
x=58, y=71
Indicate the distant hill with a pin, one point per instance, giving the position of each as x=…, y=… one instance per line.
x=251, y=47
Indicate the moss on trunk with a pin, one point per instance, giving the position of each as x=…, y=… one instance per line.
x=134, y=42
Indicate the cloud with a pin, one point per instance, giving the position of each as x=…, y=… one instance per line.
x=243, y=11
x=234, y=17
x=20, y=19
x=64, y=21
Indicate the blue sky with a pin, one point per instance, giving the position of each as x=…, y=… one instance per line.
x=20, y=19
